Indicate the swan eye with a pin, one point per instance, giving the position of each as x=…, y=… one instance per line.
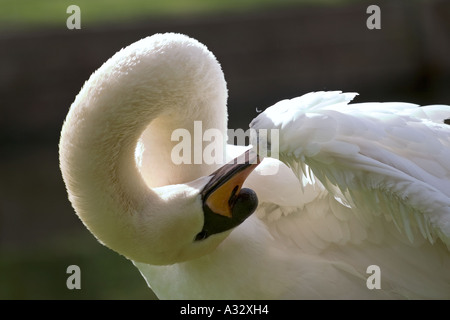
x=202, y=235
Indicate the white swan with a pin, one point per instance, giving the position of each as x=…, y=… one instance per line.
x=307, y=239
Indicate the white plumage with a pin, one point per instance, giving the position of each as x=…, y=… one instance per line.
x=368, y=184
x=369, y=154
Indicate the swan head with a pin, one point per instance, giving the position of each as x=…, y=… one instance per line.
x=143, y=207
x=197, y=216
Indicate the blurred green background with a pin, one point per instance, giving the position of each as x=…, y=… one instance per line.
x=269, y=50
x=47, y=13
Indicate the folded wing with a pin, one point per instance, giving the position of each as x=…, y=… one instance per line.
x=389, y=159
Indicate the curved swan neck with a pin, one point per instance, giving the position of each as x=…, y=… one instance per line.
x=166, y=81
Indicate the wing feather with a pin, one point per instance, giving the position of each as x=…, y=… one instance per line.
x=388, y=159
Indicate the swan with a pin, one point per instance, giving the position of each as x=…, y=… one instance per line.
x=356, y=188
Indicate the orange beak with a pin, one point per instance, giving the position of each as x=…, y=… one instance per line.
x=225, y=203
x=221, y=191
